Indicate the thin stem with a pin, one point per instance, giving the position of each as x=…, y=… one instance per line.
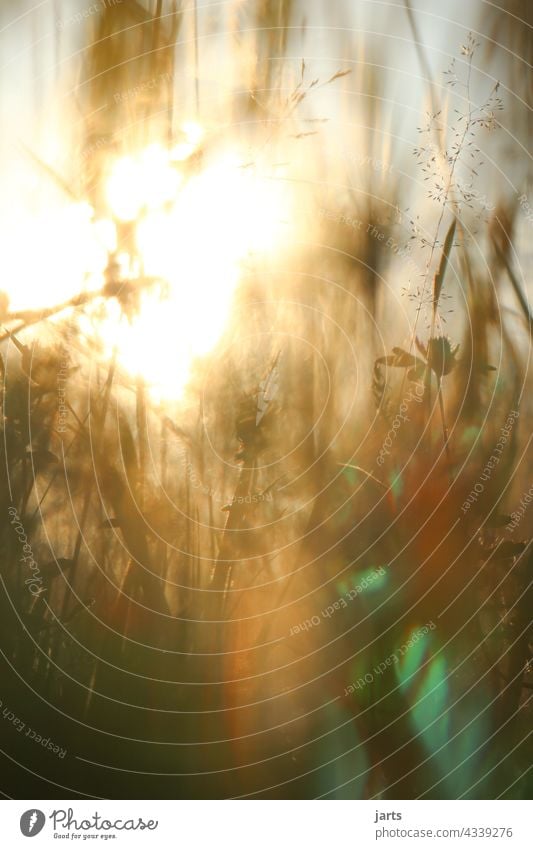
x=449, y=185
x=448, y=189
x=196, y=59
x=444, y=427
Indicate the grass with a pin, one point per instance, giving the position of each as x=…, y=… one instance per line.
x=161, y=653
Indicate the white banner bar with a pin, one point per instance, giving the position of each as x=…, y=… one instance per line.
x=267, y=824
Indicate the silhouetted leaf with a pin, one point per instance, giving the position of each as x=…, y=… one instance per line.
x=498, y=521
x=417, y=373
x=112, y=522
x=338, y=75
x=55, y=568
x=422, y=348
x=441, y=356
x=507, y=549
x=42, y=458
x=439, y=277
x=399, y=359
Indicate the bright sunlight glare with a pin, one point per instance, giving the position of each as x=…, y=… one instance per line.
x=193, y=228
x=53, y=253
x=193, y=234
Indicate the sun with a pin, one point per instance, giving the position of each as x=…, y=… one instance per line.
x=193, y=222
x=192, y=232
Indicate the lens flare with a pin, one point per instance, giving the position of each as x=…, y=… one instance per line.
x=51, y=254
x=190, y=226
x=192, y=232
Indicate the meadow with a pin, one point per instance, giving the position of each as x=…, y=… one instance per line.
x=265, y=361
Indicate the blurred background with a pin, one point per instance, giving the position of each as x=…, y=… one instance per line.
x=265, y=341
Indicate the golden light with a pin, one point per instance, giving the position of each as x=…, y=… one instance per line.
x=191, y=230
x=192, y=233
x=51, y=254
x=135, y=183
x=192, y=136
